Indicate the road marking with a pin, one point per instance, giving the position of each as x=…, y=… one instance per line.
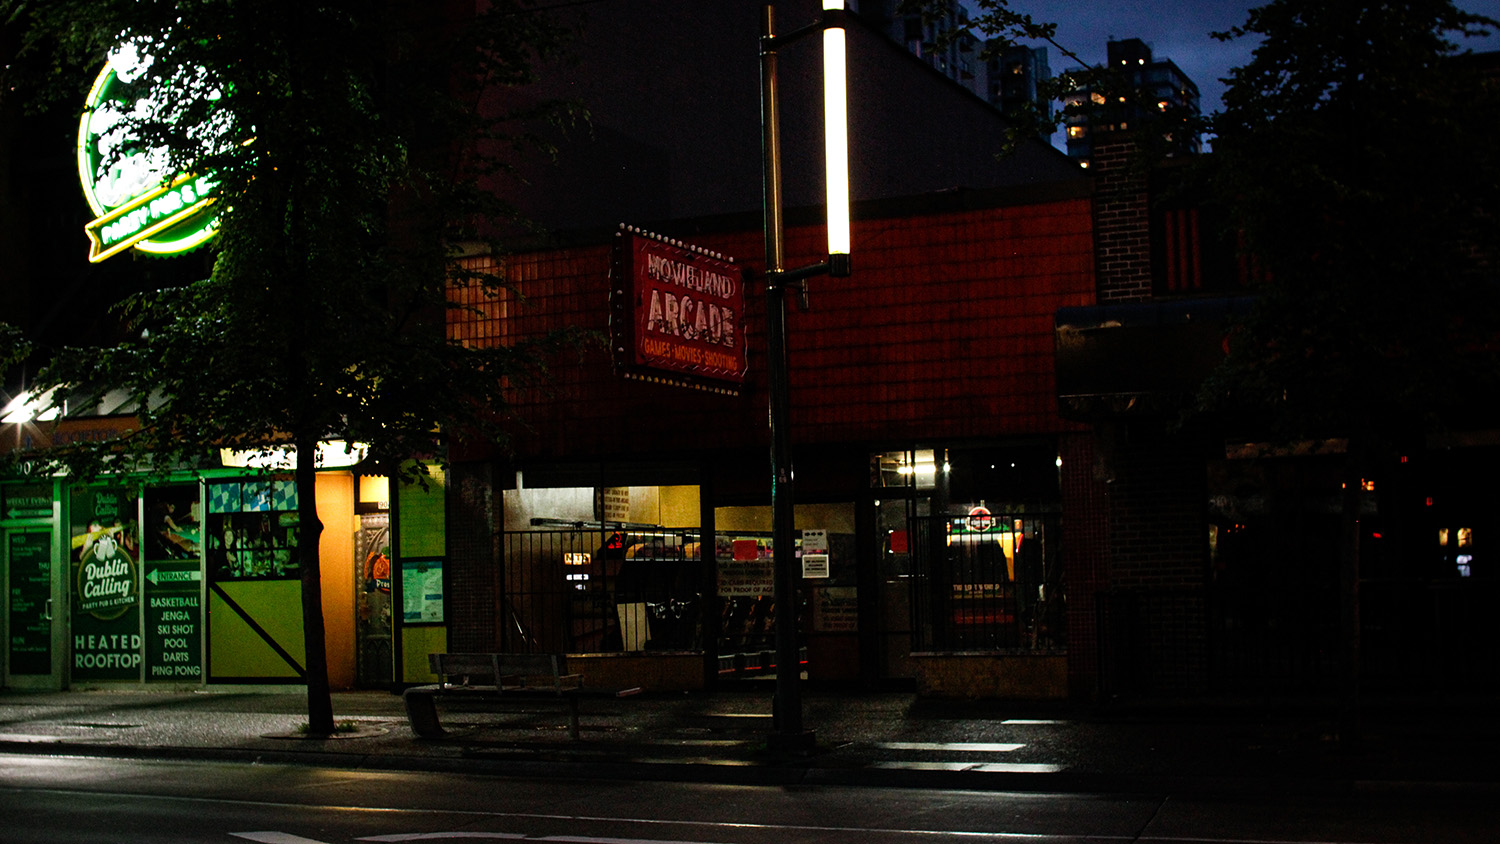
x=972, y=746
x=1031, y=722
x=561, y=839
x=272, y=837
x=29, y=738
x=439, y=836
x=1019, y=768
x=984, y=767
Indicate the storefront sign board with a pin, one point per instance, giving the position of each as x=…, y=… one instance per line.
x=174, y=622
x=677, y=312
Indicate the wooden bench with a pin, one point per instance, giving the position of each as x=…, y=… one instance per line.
x=499, y=678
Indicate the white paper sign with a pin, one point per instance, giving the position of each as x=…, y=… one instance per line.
x=814, y=565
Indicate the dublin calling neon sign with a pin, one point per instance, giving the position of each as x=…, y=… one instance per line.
x=124, y=181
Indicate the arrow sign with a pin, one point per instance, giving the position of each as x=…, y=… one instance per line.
x=159, y=576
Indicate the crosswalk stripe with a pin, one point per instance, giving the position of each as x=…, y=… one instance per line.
x=274, y=837
x=984, y=767
x=967, y=747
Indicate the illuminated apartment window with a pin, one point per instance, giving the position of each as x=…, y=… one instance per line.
x=1076, y=131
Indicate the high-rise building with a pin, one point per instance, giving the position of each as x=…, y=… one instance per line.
x=1006, y=77
x=1014, y=76
x=1158, y=85
x=939, y=35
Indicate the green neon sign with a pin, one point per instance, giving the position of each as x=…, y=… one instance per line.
x=126, y=183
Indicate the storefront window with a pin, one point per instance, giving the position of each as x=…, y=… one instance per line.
x=172, y=535
x=916, y=469
x=972, y=560
x=252, y=529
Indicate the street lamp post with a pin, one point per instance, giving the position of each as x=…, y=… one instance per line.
x=788, y=732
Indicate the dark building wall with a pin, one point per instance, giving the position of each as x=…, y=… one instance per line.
x=672, y=90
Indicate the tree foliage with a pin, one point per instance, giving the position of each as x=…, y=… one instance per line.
x=1356, y=155
x=356, y=148
x=353, y=160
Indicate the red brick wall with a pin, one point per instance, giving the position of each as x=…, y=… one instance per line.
x=1122, y=220
x=944, y=330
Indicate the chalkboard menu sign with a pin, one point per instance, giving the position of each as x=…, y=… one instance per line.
x=30, y=555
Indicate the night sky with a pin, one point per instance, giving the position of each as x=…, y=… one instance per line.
x=1174, y=29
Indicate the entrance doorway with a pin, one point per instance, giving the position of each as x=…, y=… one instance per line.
x=31, y=631
x=374, y=658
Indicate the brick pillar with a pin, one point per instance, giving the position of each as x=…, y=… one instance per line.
x=474, y=522
x=1122, y=223
x=1158, y=563
x=1085, y=501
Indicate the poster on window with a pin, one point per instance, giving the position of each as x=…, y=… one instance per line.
x=677, y=312
x=105, y=583
x=422, y=591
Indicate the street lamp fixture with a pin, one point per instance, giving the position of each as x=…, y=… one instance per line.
x=836, y=135
x=788, y=733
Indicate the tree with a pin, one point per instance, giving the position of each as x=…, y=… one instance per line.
x=1355, y=155
x=354, y=148
x=13, y=346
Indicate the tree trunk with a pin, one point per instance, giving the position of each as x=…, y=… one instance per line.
x=309, y=531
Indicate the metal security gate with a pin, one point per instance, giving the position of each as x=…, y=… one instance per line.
x=991, y=582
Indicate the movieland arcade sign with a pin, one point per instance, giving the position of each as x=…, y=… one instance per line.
x=126, y=183
x=677, y=314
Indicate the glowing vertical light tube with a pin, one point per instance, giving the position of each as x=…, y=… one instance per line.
x=836, y=133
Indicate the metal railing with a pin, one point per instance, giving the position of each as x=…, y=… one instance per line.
x=601, y=590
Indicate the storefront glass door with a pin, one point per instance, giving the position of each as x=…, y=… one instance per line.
x=30, y=630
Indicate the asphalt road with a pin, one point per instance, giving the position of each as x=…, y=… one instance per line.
x=111, y=801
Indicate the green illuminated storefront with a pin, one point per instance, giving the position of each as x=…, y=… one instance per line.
x=192, y=580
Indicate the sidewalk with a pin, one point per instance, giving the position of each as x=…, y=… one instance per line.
x=879, y=739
